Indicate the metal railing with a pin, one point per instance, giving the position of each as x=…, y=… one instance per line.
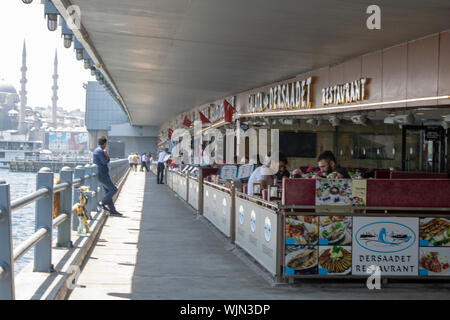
x=41, y=239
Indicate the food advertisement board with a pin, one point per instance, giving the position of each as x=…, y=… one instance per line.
x=434, y=255
x=344, y=245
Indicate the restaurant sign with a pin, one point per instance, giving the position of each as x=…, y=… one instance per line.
x=295, y=95
x=388, y=243
x=345, y=93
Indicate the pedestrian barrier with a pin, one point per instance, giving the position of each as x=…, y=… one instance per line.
x=41, y=240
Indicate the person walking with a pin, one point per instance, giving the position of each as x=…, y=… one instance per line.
x=135, y=161
x=143, y=162
x=162, y=158
x=101, y=159
x=130, y=160
x=148, y=156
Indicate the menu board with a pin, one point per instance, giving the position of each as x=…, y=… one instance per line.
x=245, y=171
x=341, y=192
x=228, y=172
x=345, y=245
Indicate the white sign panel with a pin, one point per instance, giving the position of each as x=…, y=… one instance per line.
x=256, y=229
x=392, y=244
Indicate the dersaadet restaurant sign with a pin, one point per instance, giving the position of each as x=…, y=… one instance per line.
x=388, y=243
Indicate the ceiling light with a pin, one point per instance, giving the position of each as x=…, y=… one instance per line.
x=27, y=1
x=52, y=15
x=359, y=119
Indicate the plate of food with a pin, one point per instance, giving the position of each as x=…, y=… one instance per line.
x=302, y=232
x=337, y=260
x=435, y=262
x=303, y=259
x=333, y=232
x=436, y=231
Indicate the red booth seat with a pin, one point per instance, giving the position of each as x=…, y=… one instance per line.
x=408, y=193
x=382, y=174
x=417, y=175
x=299, y=191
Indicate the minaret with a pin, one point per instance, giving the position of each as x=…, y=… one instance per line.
x=23, y=92
x=55, y=91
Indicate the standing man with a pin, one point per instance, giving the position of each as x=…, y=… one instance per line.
x=161, y=159
x=101, y=159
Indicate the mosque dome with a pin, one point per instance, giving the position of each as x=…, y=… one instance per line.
x=6, y=87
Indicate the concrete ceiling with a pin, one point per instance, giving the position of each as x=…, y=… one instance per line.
x=168, y=56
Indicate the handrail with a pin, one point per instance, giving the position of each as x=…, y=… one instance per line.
x=29, y=243
x=216, y=186
x=117, y=167
x=30, y=198
x=61, y=187
x=339, y=208
x=256, y=200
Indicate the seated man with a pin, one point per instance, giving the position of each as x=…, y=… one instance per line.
x=329, y=168
x=264, y=175
x=283, y=172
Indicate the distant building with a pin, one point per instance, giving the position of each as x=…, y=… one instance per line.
x=9, y=116
x=104, y=117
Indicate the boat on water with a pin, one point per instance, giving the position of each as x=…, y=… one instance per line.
x=19, y=149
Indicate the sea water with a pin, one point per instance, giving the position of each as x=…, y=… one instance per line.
x=21, y=184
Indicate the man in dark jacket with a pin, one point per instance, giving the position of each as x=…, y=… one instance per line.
x=101, y=159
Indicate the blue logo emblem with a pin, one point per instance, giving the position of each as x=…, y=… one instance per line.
x=385, y=237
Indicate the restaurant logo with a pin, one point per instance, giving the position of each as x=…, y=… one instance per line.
x=241, y=215
x=253, y=221
x=267, y=228
x=224, y=202
x=385, y=237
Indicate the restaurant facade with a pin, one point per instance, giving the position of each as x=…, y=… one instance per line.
x=385, y=109
x=385, y=115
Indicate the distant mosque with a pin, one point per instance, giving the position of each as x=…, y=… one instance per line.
x=13, y=105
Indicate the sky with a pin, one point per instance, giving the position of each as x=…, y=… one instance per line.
x=19, y=22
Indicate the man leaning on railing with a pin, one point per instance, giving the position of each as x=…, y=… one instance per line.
x=101, y=159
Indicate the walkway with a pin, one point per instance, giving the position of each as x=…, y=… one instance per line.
x=165, y=252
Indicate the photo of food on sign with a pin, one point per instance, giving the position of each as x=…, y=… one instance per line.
x=434, y=232
x=336, y=230
x=302, y=230
x=301, y=259
x=434, y=261
x=335, y=260
x=336, y=192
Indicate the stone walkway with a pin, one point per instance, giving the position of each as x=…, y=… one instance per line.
x=161, y=250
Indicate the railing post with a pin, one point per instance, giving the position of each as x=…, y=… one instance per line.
x=88, y=177
x=200, y=191
x=64, y=229
x=6, y=246
x=44, y=219
x=94, y=186
x=78, y=174
x=233, y=214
